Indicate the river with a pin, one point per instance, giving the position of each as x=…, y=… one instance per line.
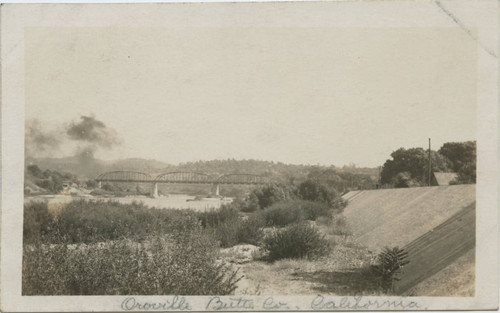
x=176, y=201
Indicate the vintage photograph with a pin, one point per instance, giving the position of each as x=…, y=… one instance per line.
x=250, y=161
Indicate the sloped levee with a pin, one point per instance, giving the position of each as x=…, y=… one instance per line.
x=438, y=249
x=396, y=217
x=455, y=280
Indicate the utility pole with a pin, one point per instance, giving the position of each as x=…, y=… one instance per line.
x=430, y=162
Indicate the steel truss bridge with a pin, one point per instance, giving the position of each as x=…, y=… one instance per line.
x=182, y=178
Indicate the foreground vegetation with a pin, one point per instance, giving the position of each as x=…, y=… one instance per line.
x=161, y=265
x=110, y=248
x=90, y=247
x=93, y=248
x=106, y=247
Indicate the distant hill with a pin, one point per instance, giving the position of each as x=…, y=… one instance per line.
x=257, y=167
x=344, y=178
x=88, y=168
x=137, y=164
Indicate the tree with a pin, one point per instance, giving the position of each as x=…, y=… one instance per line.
x=35, y=171
x=404, y=180
x=414, y=163
x=270, y=194
x=91, y=184
x=462, y=158
x=312, y=190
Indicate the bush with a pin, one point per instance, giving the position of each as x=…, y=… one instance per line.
x=250, y=230
x=35, y=171
x=336, y=225
x=84, y=221
x=91, y=184
x=296, y=241
x=313, y=210
x=282, y=214
x=229, y=228
x=340, y=225
x=390, y=267
x=226, y=233
x=270, y=194
x=315, y=191
x=214, y=217
x=246, y=205
x=404, y=180
x=159, y=266
x=294, y=211
x=38, y=225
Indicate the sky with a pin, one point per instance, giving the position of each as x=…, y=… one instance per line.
x=329, y=96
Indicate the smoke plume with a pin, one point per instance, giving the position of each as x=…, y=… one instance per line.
x=91, y=135
x=39, y=141
x=94, y=132
x=85, y=137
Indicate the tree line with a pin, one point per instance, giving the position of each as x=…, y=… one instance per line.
x=410, y=167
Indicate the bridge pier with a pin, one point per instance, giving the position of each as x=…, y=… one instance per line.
x=154, y=190
x=215, y=190
x=180, y=178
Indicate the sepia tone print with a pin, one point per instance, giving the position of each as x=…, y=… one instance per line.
x=154, y=171
x=231, y=161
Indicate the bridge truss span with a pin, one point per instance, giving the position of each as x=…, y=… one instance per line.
x=124, y=176
x=184, y=178
x=243, y=179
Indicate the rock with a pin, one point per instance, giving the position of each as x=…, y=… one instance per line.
x=240, y=254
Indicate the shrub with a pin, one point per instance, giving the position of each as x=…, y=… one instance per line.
x=214, y=217
x=159, y=266
x=84, y=221
x=337, y=224
x=313, y=210
x=250, y=230
x=390, y=267
x=229, y=228
x=223, y=223
x=38, y=225
x=340, y=225
x=270, y=194
x=35, y=171
x=404, y=180
x=226, y=233
x=296, y=241
x=294, y=211
x=248, y=205
x=315, y=191
x=91, y=184
x=282, y=214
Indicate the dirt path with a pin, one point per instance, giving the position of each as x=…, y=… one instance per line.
x=336, y=274
x=261, y=278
